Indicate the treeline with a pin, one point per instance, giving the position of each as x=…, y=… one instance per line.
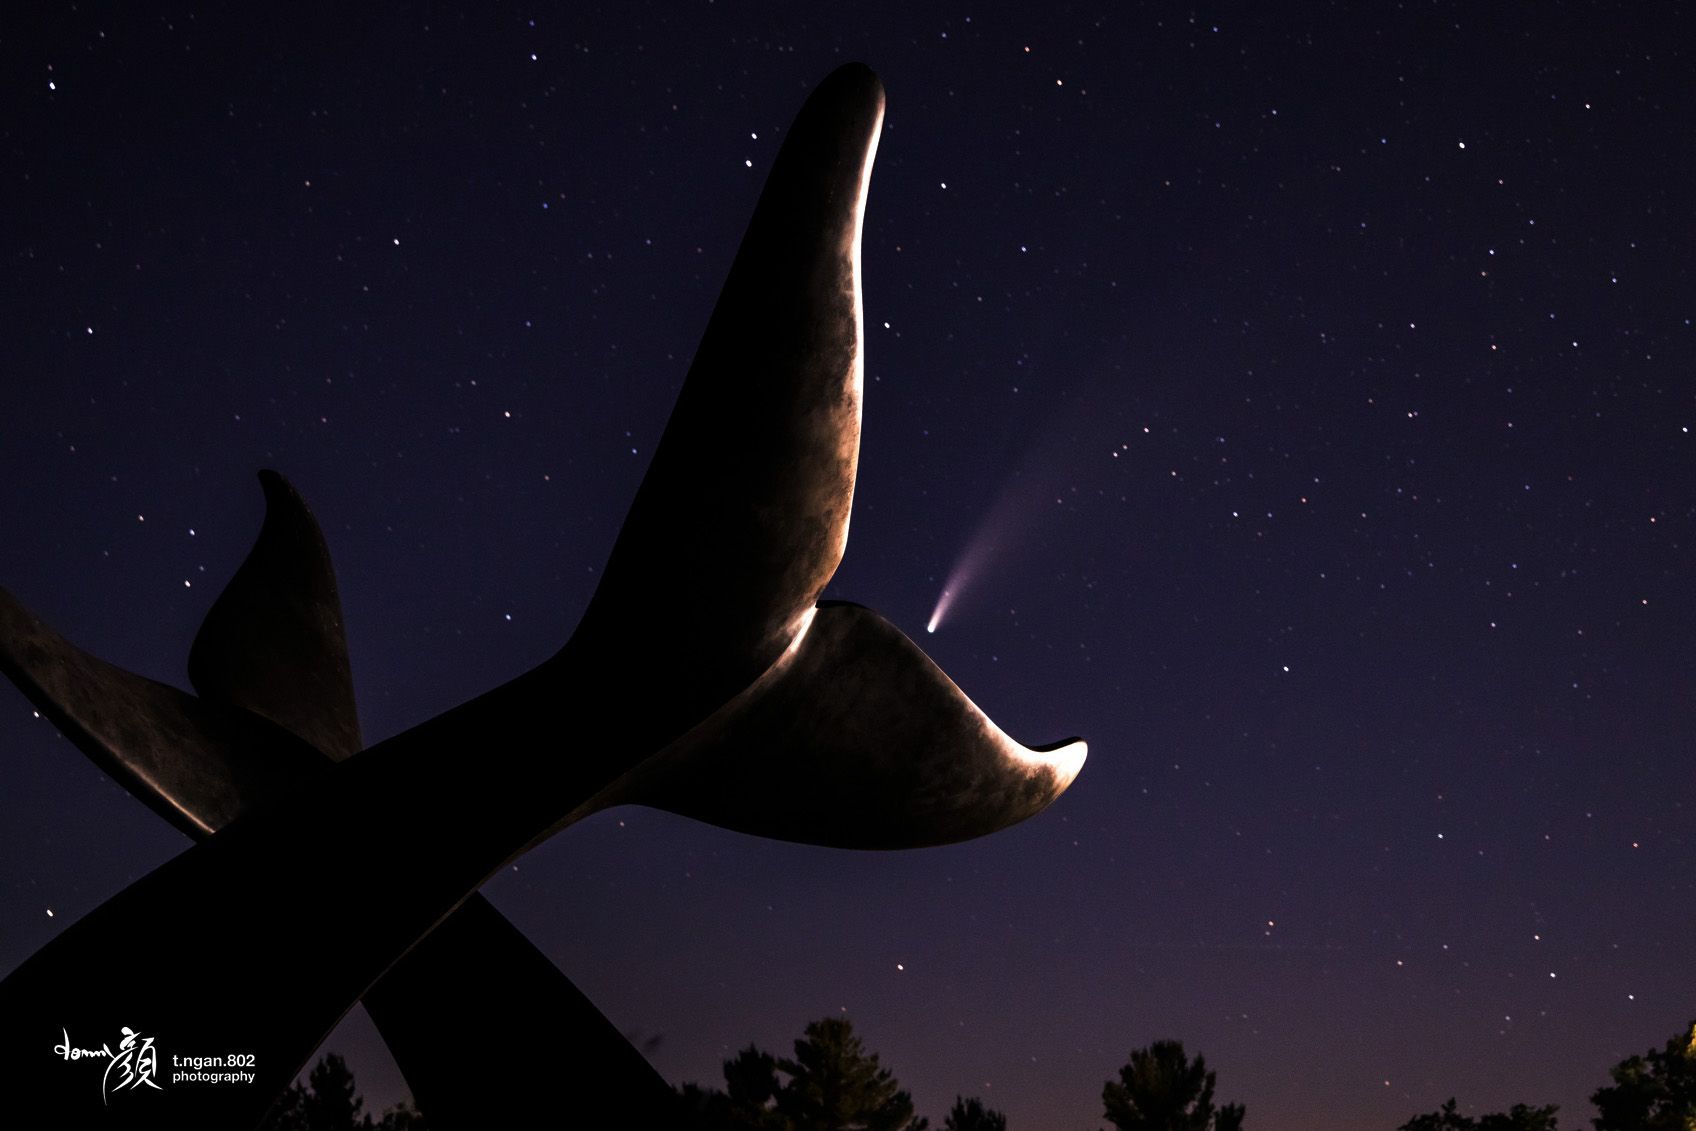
x=833, y=1083
x=1652, y=1092
x=330, y=1101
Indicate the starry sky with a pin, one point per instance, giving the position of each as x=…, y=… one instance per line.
x=1297, y=406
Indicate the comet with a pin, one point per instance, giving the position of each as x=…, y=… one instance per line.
x=1006, y=526
x=973, y=560
x=970, y=565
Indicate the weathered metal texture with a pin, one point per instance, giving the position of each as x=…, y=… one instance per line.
x=198, y=764
x=475, y=973
x=273, y=641
x=705, y=614
x=742, y=516
x=856, y=740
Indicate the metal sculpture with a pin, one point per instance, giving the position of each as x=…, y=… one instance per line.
x=762, y=710
x=271, y=668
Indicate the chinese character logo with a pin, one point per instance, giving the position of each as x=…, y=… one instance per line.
x=136, y=1064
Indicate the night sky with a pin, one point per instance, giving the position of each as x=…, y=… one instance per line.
x=1298, y=407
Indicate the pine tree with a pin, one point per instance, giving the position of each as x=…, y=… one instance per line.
x=972, y=1115
x=835, y=1085
x=832, y=1084
x=1161, y=1089
x=332, y=1102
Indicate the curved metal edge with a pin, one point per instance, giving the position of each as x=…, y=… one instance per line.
x=855, y=739
x=742, y=517
x=273, y=641
x=196, y=764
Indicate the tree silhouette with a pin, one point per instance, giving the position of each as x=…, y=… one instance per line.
x=835, y=1085
x=832, y=1084
x=330, y=1101
x=402, y=1117
x=749, y=1101
x=1161, y=1089
x=1444, y=1118
x=751, y=1082
x=1652, y=1092
x=1517, y=1118
x=286, y=1114
x=971, y=1115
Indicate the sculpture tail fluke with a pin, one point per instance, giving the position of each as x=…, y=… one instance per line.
x=195, y=763
x=855, y=740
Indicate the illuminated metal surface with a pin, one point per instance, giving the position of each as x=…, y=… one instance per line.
x=757, y=712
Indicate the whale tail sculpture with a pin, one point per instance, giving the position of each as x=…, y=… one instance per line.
x=271, y=667
x=763, y=712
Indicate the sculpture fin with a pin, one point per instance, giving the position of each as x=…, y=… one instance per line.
x=743, y=514
x=270, y=663
x=273, y=641
x=196, y=764
x=176, y=753
x=856, y=739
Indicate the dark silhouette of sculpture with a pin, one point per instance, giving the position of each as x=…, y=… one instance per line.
x=763, y=710
x=270, y=663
